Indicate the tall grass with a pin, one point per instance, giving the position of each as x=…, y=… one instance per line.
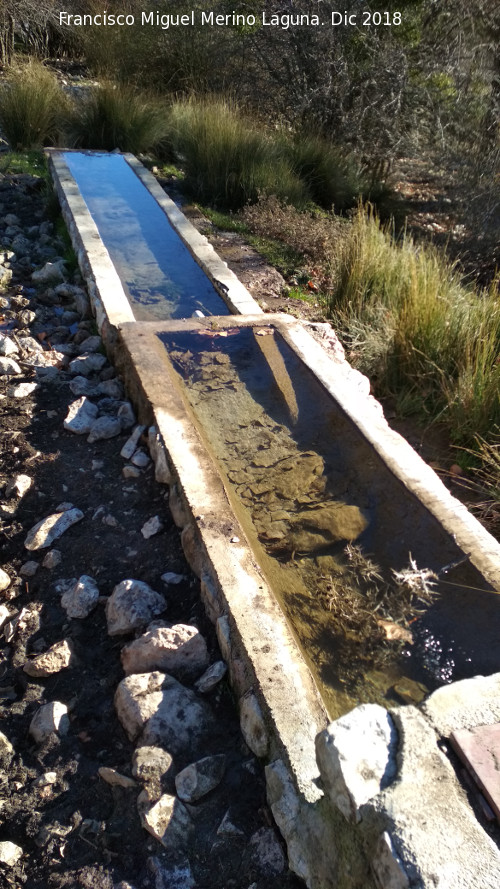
x=116, y=116
x=31, y=107
x=413, y=325
x=228, y=160
x=333, y=179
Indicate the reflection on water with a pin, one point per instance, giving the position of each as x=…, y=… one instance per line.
x=158, y=273
x=303, y=484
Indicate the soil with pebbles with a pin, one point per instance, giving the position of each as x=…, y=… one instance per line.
x=74, y=829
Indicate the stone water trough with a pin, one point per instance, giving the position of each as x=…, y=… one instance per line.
x=302, y=513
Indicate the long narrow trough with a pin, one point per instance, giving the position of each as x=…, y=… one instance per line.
x=302, y=513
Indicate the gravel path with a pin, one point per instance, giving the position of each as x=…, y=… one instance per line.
x=78, y=808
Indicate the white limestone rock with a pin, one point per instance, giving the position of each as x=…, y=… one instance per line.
x=140, y=459
x=149, y=764
x=7, y=346
x=199, y=778
x=48, y=719
x=8, y=367
x=49, y=529
x=50, y=273
x=5, y=580
x=52, y=559
x=180, y=650
x=6, y=748
x=356, y=757
x=22, y=390
x=81, y=415
x=103, y=428
x=126, y=415
x=170, y=577
x=91, y=344
x=171, y=875
x=115, y=779
x=159, y=710
x=266, y=853
x=56, y=658
x=28, y=569
x=167, y=820
x=153, y=526
x=87, y=364
x=387, y=865
x=252, y=724
x=211, y=677
x=81, y=386
x=132, y=605
x=10, y=853
x=81, y=598
x=130, y=445
x=18, y=486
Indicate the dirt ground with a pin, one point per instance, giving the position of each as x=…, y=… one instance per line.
x=74, y=829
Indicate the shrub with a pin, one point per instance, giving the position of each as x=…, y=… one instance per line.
x=334, y=180
x=31, y=106
x=115, y=116
x=413, y=325
x=228, y=161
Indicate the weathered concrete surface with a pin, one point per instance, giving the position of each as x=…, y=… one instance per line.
x=464, y=704
x=427, y=815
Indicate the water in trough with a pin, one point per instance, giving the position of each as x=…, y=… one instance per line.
x=329, y=524
x=159, y=275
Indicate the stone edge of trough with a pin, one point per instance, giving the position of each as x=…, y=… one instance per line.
x=377, y=792
x=386, y=810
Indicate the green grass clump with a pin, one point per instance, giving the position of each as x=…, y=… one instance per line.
x=228, y=160
x=414, y=327
x=32, y=163
x=117, y=117
x=31, y=106
x=334, y=180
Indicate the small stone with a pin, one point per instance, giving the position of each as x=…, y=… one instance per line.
x=266, y=852
x=11, y=219
x=149, y=764
x=52, y=559
x=87, y=364
x=48, y=719
x=163, y=712
x=132, y=605
x=130, y=471
x=170, y=875
x=200, y=778
x=172, y=578
x=252, y=725
x=112, y=389
x=140, y=459
x=4, y=616
x=55, y=659
x=126, y=415
x=211, y=677
x=81, y=386
x=180, y=650
x=81, y=598
x=22, y=390
x=10, y=853
x=4, y=580
x=50, y=273
x=45, y=780
x=168, y=820
x=151, y=527
x=8, y=367
x=18, y=486
x=114, y=778
x=81, y=416
x=228, y=828
x=7, y=347
x=234, y=540
x=29, y=569
x=91, y=344
x=49, y=529
x=130, y=445
x=6, y=748
x=103, y=428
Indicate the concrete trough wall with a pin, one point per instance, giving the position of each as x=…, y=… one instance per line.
x=356, y=799
x=372, y=800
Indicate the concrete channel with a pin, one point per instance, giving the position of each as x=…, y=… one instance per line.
x=372, y=798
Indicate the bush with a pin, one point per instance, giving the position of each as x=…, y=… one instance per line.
x=113, y=117
x=31, y=106
x=228, y=161
x=334, y=180
x=418, y=330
